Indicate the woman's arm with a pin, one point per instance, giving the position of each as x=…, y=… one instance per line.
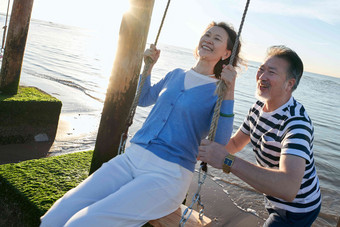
x=150, y=93
x=225, y=122
x=226, y=119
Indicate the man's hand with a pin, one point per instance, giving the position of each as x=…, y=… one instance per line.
x=212, y=153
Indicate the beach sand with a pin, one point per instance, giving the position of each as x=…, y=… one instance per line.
x=77, y=132
x=219, y=207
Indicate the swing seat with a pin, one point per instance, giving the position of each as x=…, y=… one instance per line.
x=174, y=219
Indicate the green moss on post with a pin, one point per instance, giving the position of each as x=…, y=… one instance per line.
x=33, y=186
x=28, y=113
x=31, y=94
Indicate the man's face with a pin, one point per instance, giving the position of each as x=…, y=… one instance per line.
x=272, y=83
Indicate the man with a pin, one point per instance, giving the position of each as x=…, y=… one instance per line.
x=281, y=134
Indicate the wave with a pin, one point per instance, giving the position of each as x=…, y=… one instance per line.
x=68, y=83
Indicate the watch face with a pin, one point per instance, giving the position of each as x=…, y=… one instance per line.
x=227, y=161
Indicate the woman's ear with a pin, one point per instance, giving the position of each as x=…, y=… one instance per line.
x=227, y=55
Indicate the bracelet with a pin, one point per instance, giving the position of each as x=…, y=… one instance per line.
x=227, y=115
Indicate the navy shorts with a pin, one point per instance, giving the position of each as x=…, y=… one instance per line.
x=283, y=218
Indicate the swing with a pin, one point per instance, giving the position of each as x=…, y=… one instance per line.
x=184, y=215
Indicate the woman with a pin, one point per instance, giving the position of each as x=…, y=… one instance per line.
x=151, y=178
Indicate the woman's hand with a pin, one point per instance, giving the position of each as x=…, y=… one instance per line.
x=228, y=75
x=152, y=55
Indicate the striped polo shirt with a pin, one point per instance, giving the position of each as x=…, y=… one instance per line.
x=286, y=131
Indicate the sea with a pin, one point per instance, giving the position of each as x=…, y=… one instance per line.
x=74, y=65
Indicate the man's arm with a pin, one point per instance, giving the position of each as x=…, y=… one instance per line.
x=282, y=183
x=237, y=142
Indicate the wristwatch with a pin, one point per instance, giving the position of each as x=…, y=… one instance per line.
x=228, y=162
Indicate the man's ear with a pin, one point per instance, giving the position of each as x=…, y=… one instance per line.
x=291, y=83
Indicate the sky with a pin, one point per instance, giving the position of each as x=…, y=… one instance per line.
x=309, y=27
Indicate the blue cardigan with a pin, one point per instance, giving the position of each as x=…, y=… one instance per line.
x=180, y=119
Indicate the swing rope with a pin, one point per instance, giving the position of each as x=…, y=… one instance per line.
x=221, y=85
x=212, y=132
x=144, y=75
x=5, y=30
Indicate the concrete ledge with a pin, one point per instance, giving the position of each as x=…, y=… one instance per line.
x=30, y=115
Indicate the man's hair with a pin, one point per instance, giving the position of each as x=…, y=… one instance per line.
x=295, y=68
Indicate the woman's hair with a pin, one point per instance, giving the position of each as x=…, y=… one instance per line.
x=230, y=44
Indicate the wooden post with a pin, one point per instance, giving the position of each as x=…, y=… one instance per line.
x=123, y=81
x=15, y=46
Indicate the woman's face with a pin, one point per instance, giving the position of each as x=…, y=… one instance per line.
x=213, y=45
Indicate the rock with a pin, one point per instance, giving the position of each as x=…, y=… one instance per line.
x=42, y=137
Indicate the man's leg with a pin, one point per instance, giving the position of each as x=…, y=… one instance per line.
x=277, y=218
x=282, y=218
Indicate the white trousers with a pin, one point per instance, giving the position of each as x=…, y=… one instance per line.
x=129, y=190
